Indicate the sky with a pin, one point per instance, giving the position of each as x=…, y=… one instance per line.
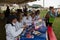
x=47, y=3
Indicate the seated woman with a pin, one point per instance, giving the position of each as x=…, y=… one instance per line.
x=20, y=23
x=33, y=16
x=27, y=19
x=11, y=30
x=37, y=14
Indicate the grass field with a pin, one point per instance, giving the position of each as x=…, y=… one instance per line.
x=43, y=13
x=56, y=27
x=56, y=24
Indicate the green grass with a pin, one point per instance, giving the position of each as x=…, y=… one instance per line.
x=43, y=13
x=56, y=27
x=56, y=24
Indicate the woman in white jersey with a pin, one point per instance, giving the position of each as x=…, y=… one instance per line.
x=37, y=14
x=20, y=23
x=27, y=19
x=11, y=31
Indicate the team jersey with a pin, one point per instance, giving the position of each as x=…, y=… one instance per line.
x=27, y=21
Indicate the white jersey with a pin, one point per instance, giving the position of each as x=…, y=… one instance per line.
x=11, y=32
x=27, y=21
x=19, y=25
x=33, y=19
x=37, y=17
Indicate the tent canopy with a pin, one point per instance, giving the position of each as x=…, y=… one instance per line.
x=15, y=1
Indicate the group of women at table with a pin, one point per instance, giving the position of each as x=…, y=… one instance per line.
x=16, y=24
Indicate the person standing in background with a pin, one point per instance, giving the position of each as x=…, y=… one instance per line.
x=7, y=12
x=50, y=16
x=25, y=10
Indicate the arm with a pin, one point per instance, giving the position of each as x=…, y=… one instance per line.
x=14, y=32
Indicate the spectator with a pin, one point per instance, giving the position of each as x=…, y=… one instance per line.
x=25, y=10
x=19, y=11
x=50, y=16
x=7, y=13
